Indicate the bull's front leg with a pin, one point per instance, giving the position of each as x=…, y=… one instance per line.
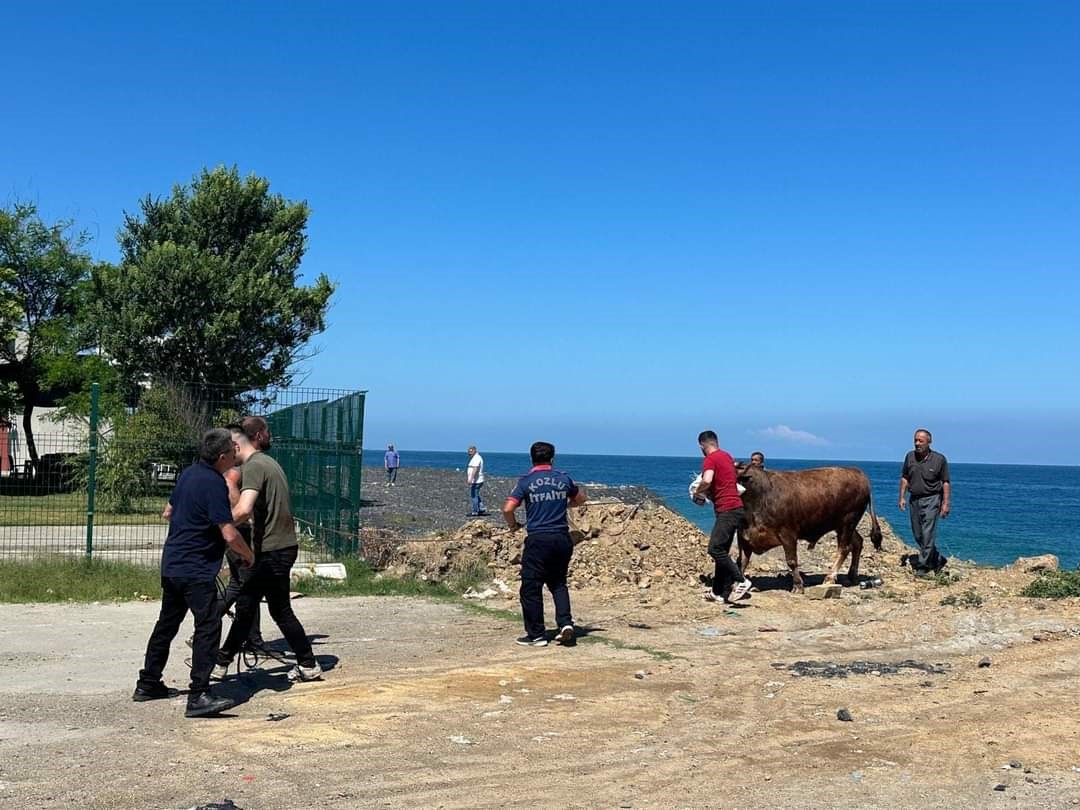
x=791, y=553
x=744, y=552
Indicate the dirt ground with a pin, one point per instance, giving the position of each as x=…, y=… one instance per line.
x=667, y=701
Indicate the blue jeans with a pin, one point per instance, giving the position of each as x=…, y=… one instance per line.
x=474, y=497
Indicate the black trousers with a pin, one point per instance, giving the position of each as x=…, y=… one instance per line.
x=178, y=596
x=240, y=575
x=545, y=561
x=270, y=580
x=725, y=573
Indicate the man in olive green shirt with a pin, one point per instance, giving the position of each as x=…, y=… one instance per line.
x=264, y=498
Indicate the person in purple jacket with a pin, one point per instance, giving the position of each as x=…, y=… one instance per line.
x=391, y=462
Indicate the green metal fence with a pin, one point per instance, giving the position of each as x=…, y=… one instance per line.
x=95, y=483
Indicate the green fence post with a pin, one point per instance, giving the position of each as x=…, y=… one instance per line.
x=91, y=470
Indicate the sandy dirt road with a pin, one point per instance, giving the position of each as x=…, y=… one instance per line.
x=432, y=705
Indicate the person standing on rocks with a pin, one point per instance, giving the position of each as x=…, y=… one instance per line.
x=391, y=463
x=546, y=493
x=200, y=527
x=264, y=498
x=925, y=479
x=474, y=475
x=718, y=484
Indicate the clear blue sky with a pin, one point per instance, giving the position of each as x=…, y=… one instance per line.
x=810, y=226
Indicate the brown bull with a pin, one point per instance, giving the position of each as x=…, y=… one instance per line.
x=782, y=507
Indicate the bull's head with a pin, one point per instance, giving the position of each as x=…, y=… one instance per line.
x=754, y=479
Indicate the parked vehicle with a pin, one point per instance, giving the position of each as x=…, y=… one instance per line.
x=162, y=474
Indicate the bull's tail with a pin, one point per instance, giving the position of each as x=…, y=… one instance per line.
x=875, y=527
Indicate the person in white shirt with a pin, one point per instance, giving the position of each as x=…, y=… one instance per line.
x=474, y=474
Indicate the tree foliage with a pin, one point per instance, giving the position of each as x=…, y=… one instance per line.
x=42, y=270
x=207, y=290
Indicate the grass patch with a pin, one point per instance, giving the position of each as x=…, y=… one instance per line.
x=943, y=579
x=63, y=579
x=69, y=509
x=1054, y=585
x=469, y=573
x=618, y=644
x=968, y=599
x=485, y=610
x=363, y=580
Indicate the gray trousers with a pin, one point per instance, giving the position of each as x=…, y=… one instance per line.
x=924, y=516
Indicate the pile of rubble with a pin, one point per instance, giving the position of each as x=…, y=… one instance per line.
x=618, y=547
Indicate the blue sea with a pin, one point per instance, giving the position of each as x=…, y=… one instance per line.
x=999, y=511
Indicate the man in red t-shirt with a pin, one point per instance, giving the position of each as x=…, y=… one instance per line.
x=718, y=485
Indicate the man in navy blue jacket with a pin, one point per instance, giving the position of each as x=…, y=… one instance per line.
x=546, y=493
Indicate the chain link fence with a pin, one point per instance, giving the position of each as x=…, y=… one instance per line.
x=95, y=483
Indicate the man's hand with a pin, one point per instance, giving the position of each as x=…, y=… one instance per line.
x=167, y=511
x=902, y=504
x=945, y=509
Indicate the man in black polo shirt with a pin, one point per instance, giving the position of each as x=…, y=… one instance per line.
x=925, y=477
x=200, y=526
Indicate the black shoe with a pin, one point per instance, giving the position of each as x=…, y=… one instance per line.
x=203, y=705
x=158, y=691
x=529, y=641
x=566, y=636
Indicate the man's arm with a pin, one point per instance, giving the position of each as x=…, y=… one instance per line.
x=580, y=498
x=232, y=481
x=167, y=512
x=470, y=473
x=244, y=508
x=946, y=496
x=236, y=543
x=509, y=505
x=704, y=484
x=903, y=491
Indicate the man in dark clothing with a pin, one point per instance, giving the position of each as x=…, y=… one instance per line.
x=925, y=478
x=545, y=559
x=239, y=573
x=200, y=526
x=264, y=499
x=718, y=484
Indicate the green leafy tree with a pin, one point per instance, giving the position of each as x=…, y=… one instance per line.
x=207, y=290
x=42, y=269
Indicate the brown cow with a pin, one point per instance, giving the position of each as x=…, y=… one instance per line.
x=782, y=507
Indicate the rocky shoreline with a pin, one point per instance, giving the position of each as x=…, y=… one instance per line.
x=426, y=500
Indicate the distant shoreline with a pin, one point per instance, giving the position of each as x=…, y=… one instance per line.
x=378, y=452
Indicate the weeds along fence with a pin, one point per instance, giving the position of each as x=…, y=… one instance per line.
x=94, y=483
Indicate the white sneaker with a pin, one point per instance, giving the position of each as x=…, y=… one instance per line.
x=713, y=597
x=220, y=673
x=299, y=673
x=741, y=591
